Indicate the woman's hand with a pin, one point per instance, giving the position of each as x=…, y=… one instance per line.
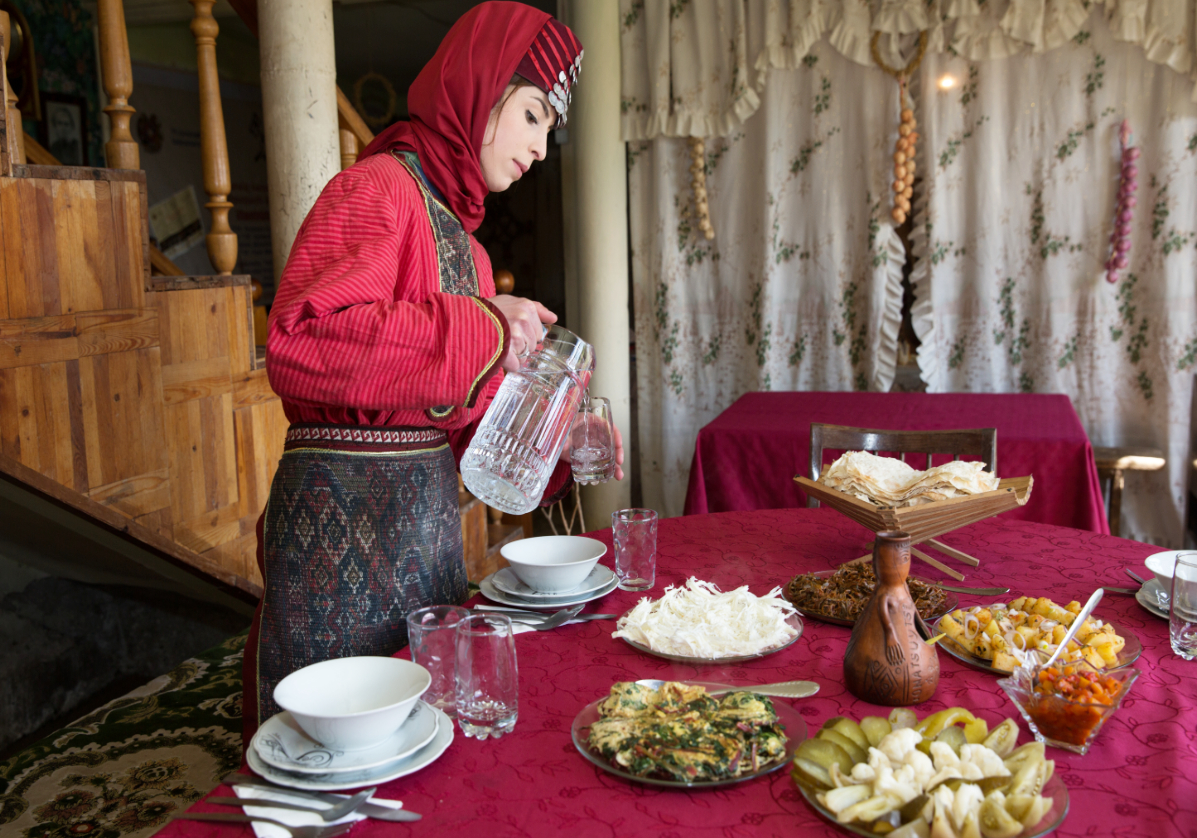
x=617, y=442
x=524, y=318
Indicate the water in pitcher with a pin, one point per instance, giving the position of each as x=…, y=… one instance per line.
x=516, y=448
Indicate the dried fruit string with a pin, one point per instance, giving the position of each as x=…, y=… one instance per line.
x=1124, y=213
x=906, y=145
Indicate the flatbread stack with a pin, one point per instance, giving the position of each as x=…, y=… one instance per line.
x=889, y=482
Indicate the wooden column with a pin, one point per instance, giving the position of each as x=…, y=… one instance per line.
x=121, y=150
x=221, y=240
x=349, y=148
x=14, y=134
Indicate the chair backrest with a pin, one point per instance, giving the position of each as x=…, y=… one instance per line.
x=974, y=442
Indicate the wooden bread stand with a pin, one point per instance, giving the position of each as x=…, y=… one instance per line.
x=924, y=522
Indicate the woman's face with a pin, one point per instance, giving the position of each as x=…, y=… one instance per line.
x=516, y=136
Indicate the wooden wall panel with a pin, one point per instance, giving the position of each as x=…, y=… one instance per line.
x=123, y=415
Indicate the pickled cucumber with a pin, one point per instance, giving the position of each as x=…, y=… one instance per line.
x=875, y=729
x=852, y=730
x=855, y=752
x=953, y=737
x=825, y=753
x=807, y=773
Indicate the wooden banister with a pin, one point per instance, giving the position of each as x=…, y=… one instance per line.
x=121, y=150
x=14, y=135
x=221, y=240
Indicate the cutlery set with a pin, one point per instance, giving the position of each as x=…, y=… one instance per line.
x=303, y=801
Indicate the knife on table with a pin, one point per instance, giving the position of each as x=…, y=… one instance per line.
x=370, y=810
x=373, y=810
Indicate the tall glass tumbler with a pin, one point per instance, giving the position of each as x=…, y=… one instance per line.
x=487, y=676
x=1182, y=611
x=592, y=443
x=635, y=533
x=432, y=639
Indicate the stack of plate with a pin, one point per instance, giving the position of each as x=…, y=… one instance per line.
x=282, y=753
x=505, y=588
x=1154, y=597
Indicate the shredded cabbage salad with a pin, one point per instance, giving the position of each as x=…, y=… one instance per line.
x=700, y=621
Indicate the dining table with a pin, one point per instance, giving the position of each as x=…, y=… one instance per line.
x=1138, y=779
x=747, y=456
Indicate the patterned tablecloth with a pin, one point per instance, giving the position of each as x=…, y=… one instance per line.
x=747, y=456
x=1139, y=779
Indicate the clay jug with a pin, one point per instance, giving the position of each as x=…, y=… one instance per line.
x=887, y=661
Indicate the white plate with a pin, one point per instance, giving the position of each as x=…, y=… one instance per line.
x=507, y=582
x=358, y=779
x=495, y=595
x=282, y=743
x=1153, y=597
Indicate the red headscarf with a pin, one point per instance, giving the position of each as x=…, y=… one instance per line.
x=450, y=101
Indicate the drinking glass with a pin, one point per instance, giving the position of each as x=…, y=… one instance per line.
x=1182, y=613
x=432, y=639
x=487, y=679
x=635, y=548
x=592, y=443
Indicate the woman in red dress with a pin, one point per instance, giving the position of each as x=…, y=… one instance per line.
x=385, y=340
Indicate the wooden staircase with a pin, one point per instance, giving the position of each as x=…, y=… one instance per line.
x=134, y=410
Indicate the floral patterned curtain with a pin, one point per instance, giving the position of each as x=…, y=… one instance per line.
x=800, y=288
x=1021, y=177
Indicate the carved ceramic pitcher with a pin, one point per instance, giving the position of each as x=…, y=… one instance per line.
x=887, y=661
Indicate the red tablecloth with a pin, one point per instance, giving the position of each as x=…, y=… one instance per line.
x=1139, y=779
x=747, y=457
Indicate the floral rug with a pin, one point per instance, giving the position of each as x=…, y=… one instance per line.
x=122, y=771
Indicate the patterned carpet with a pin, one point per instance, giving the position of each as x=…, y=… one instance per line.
x=121, y=771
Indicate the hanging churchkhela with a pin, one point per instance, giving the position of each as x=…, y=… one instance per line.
x=905, y=147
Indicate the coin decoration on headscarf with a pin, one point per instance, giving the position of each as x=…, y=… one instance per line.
x=906, y=144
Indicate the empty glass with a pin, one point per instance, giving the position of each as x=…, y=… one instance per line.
x=487, y=678
x=432, y=639
x=635, y=532
x=1182, y=614
x=592, y=443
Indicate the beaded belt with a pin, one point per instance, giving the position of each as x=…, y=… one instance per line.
x=363, y=438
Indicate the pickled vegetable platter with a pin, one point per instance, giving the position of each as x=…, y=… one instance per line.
x=947, y=775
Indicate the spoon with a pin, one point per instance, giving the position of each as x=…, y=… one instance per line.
x=1076, y=625
x=782, y=689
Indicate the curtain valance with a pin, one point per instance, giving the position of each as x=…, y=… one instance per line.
x=696, y=68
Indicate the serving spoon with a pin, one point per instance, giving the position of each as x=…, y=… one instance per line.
x=1076, y=625
x=781, y=689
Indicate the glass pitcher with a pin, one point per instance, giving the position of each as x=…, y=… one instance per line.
x=510, y=458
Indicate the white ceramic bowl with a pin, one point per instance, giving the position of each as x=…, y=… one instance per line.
x=553, y=563
x=1161, y=564
x=353, y=703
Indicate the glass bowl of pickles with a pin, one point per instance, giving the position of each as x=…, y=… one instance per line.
x=1066, y=705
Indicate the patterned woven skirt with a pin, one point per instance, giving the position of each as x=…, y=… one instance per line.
x=362, y=527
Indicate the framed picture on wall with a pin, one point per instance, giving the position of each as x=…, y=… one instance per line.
x=64, y=128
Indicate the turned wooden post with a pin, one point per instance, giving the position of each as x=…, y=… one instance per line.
x=348, y=148
x=14, y=136
x=221, y=240
x=121, y=150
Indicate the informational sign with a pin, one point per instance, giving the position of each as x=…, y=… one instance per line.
x=176, y=224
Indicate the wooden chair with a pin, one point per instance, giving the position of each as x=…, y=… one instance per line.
x=974, y=442
x=1112, y=465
